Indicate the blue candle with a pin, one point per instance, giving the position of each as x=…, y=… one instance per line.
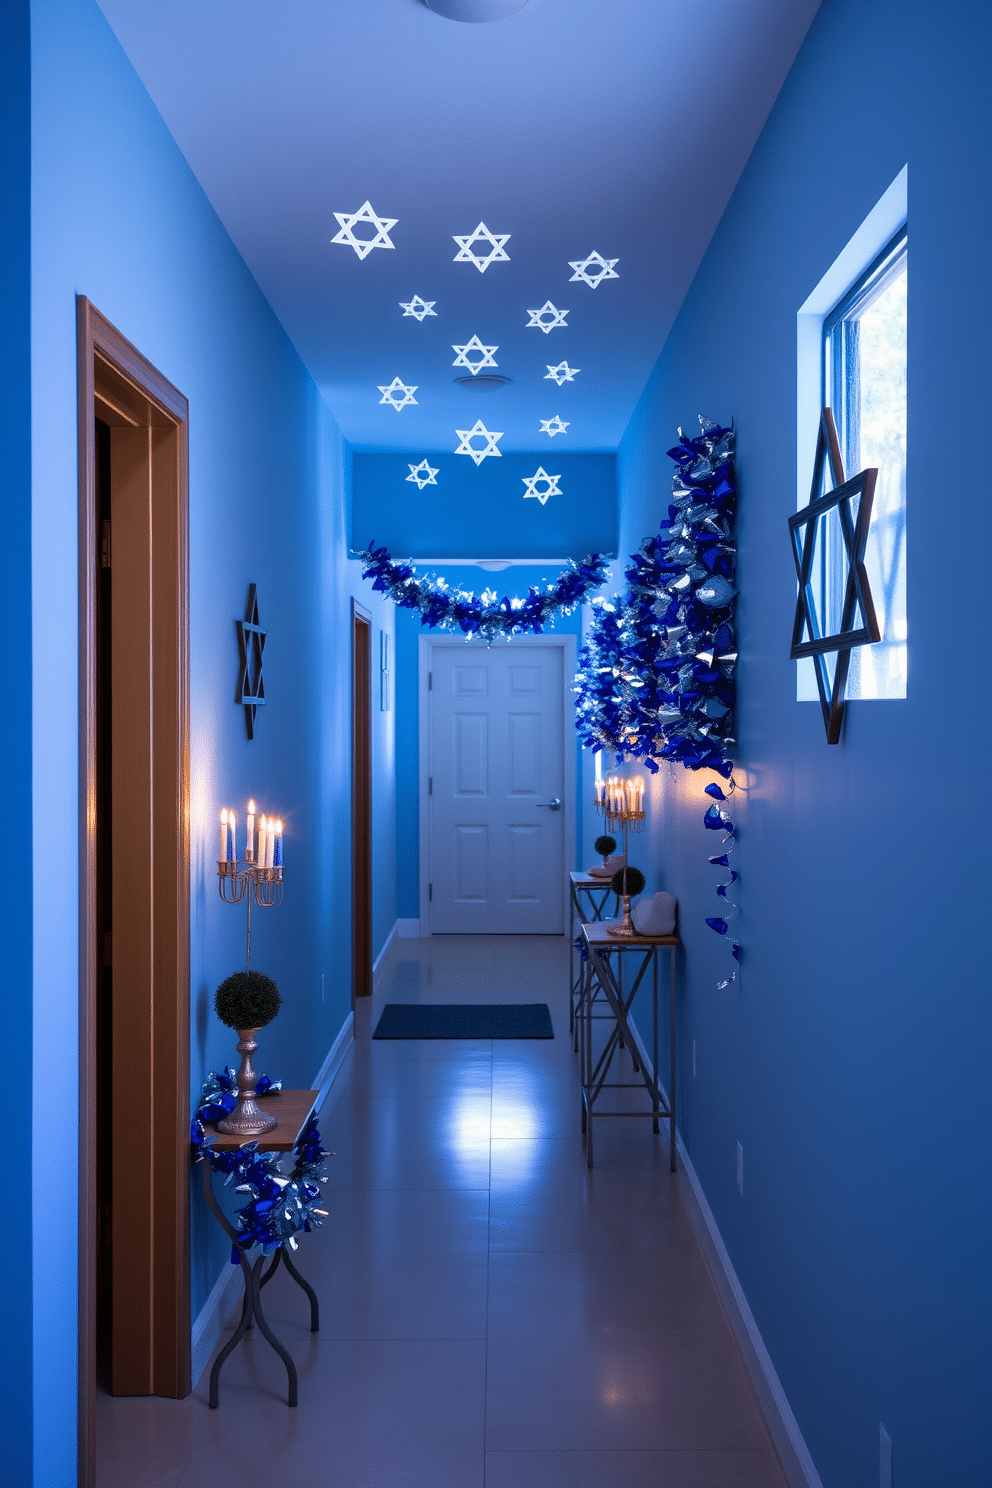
x=277, y=855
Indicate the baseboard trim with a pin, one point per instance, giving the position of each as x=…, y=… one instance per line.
x=225, y=1295
x=209, y=1325
x=797, y=1464
x=336, y=1055
x=381, y=961
x=408, y=929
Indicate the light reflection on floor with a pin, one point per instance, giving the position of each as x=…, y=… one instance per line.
x=493, y=1315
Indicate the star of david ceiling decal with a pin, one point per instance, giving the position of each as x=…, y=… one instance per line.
x=251, y=643
x=478, y=432
x=418, y=308
x=423, y=474
x=562, y=373
x=540, y=318
x=603, y=268
x=486, y=358
x=541, y=478
x=363, y=246
x=828, y=528
x=391, y=393
x=497, y=248
x=554, y=426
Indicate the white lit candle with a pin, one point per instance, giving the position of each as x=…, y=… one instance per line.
x=262, y=828
x=234, y=836
x=270, y=841
x=223, y=835
x=250, y=844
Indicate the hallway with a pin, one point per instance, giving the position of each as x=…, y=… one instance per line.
x=491, y=1313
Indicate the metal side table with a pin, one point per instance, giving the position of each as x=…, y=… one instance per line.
x=596, y=892
x=643, y=952
x=292, y=1109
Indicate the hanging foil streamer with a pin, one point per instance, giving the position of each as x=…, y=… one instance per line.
x=488, y=616
x=279, y=1205
x=656, y=677
x=718, y=820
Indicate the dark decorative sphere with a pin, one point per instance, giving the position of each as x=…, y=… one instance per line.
x=604, y=846
x=248, y=999
x=635, y=881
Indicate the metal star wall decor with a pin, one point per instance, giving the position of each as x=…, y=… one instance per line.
x=418, y=308
x=562, y=373
x=540, y=318
x=819, y=544
x=486, y=358
x=423, y=474
x=363, y=246
x=554, y=426
x=251, y=644
x=478, y=432
x=389, y=394
x=497, y=248
x=606, y=269
x=541, y=477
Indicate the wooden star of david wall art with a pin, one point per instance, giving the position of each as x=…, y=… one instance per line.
x=828, y=544
x=251, y=644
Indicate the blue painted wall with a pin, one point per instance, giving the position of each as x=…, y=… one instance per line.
x=118, y=216
x=851, y=1057
x=483, y=511
x=16, y=1374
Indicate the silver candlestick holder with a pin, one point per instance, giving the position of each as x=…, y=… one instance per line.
x=628, y=820
x=236, y=879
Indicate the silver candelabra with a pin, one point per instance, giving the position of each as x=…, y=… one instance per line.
x=233, y=880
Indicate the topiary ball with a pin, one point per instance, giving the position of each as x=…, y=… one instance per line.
x=248, y=999
x=604, y=846
x=635, y=881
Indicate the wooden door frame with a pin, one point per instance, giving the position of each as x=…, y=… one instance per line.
x=361, y=809
x=133, y=392
x=568, y=645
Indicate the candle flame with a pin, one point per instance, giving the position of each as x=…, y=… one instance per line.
x=223, y=816
x=278, y=826
x=251, y=807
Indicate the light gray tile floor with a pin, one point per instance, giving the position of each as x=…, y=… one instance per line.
x=493, y=1315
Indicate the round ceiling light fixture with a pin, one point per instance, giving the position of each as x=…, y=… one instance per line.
x=482, y=382
x=475, y=10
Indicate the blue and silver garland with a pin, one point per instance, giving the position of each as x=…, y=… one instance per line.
x=279, y=1205
x=656, y=676
x=445, y=608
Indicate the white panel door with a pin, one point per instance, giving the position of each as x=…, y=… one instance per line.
x=496, y=856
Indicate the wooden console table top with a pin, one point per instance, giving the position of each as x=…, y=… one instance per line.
x=291, y=1109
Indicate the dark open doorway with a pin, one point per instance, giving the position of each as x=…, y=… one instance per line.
x=361, y=804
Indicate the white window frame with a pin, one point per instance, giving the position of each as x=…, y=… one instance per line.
x=878, y=228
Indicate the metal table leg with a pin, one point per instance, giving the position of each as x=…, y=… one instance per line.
x=671, y=1046
x=620, y=1001
x=282, y=1254
x=251, y=1310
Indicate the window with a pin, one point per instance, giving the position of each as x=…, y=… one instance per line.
x=864, y=381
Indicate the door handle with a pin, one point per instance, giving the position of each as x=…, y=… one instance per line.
x=554, y=805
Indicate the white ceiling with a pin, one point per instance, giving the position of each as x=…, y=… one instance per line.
x=620, y=126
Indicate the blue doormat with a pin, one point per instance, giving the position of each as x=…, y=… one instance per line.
x=452, y=1020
